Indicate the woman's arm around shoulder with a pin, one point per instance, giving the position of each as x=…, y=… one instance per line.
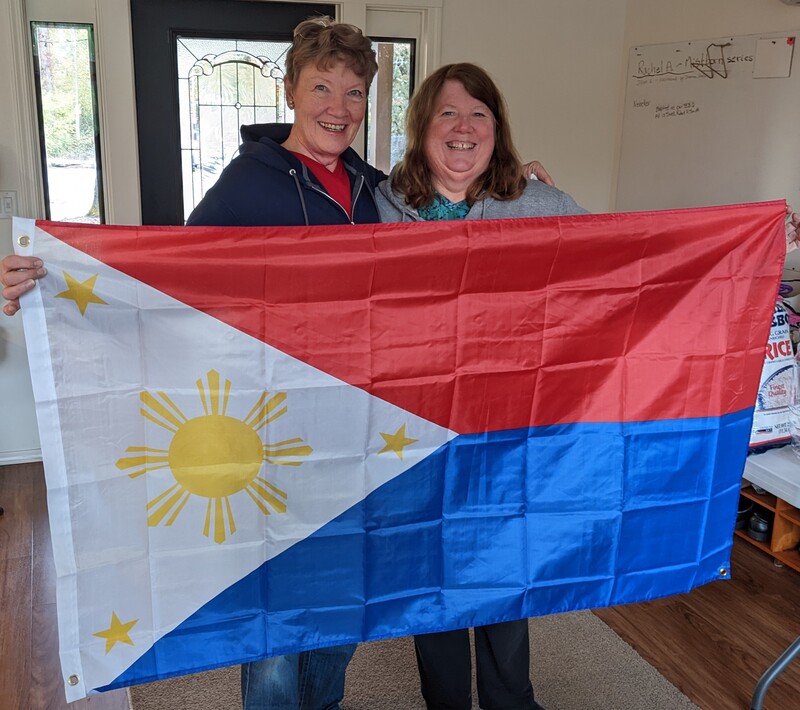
x=542, y=200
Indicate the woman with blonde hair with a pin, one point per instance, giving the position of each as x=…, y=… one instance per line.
x=299, y=174
x=305, y=173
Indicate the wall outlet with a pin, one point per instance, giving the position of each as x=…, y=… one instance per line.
x=8, y=204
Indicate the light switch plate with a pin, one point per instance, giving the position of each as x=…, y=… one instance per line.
x=8, y=204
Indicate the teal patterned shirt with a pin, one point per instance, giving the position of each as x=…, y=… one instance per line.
x=441, y=208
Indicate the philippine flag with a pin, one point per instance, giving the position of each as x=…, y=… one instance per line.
x=259, y=441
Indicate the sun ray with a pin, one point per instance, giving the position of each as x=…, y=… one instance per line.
x=270, y=452
x=175, y=408
x=177, y=492
x=146, y=462
x=226, y=396
x=264, y=422
x=213, y=388
x=256, y=406
x=275, y=462
x=178, y=509
x=214, y=455
x=230, y=515
x=257, y=489
x=159, y=410
x=131, y=461
x=149, y=416
x=148, y=449
x=161, y=496
x=263, y=508
x=275, y=489
x=267, y=413
x=207, y=524
x=284, y=449
x=202, y=391
x=218, y=519
x=143, y=470
x=285, y=442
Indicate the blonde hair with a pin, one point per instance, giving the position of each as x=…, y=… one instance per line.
x=321, y=41
x=503, y=179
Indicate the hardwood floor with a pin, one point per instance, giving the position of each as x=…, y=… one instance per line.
x=713, y=643
x=30, y=674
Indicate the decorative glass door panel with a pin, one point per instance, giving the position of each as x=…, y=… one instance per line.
x=223, y=84
x=203, y=68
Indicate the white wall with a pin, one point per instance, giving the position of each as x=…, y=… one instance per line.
x=656, y=22
x=560, y=66
x=558, y=63
x=19, y=440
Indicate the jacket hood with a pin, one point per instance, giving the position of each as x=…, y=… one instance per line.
x=295, y=196
x=277, y=132
x=262, y=141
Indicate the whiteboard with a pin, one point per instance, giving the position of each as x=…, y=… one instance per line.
x=711, y=122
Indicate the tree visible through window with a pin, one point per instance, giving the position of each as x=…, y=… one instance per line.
x=64, y=66
x=388, y=102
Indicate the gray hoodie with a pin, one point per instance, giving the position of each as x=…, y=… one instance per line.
x=538, y=200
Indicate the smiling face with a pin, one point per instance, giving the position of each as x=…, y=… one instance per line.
x=459, y=140
x=329, y=106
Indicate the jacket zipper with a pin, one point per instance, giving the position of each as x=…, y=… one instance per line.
x=359, y=184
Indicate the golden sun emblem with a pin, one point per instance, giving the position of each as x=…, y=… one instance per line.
x=213, y=456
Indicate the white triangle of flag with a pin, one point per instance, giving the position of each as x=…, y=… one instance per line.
x=180, y=454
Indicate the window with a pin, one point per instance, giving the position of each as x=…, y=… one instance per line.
x=66, y=94
x=388, y=101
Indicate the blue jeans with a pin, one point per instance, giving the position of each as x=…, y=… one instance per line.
x=311, y=680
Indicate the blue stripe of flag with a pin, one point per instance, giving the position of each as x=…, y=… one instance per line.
x=491, y=527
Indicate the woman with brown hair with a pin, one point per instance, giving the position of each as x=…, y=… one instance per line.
x=460, y=163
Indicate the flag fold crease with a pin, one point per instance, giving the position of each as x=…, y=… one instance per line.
x=261, y=440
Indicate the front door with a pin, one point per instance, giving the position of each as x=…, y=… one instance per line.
x=203, y=68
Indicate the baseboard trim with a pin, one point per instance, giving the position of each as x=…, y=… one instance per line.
x=26, y=456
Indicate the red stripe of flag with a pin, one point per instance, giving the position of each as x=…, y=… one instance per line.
x=484, y=326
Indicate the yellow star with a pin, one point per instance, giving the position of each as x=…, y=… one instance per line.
x=396, y=442
x=117, y=632
x=81, y=293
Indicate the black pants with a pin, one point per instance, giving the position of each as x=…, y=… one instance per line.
x=502, y=661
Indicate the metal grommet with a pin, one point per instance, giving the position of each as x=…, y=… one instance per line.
x=73, y=680
x=23, y=240
x=723, y=571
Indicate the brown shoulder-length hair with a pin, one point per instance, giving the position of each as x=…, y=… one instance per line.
x=322, y=41
x=413, y=179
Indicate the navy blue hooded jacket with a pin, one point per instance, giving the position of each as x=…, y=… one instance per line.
x=265, y=185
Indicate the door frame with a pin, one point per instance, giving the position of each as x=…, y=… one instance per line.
x=116, y=93
x=155, y=29
x=117, y=120
x=113, y=45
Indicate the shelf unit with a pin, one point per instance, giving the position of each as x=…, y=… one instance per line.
x=785, y=528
